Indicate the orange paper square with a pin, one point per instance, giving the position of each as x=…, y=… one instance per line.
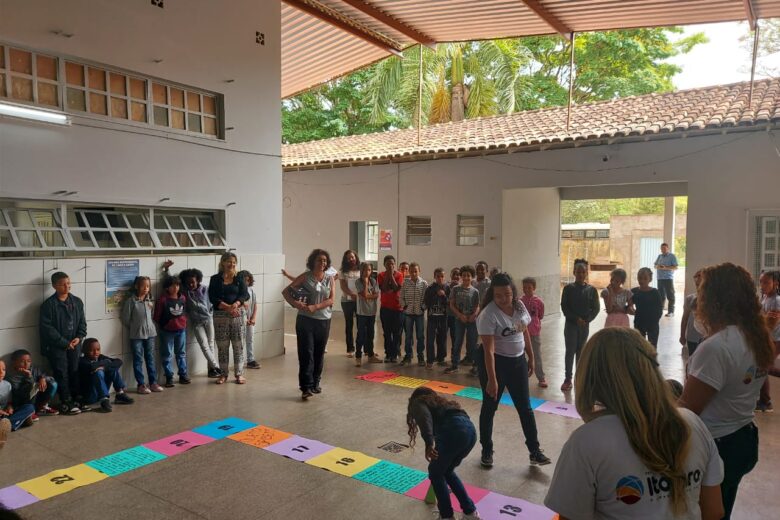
x=444, y=388
x=260, y=436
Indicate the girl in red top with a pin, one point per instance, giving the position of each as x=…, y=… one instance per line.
x=172, y=325
x=390, y=311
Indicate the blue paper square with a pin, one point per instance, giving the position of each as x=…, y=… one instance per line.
x=507, y=400
x=125, y=460
x=470, y=392
x=224, y=427
x=391, y=476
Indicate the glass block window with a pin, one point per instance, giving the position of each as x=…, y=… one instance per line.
x=29, y=77
x=418, y=231
x=183, y=109
x=471, y=230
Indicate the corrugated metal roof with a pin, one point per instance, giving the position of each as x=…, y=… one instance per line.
x=313, y=51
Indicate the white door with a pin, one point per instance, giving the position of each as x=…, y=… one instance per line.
x=649, y=249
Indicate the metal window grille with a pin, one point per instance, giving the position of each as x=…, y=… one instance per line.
x=418, y=231
x=471, y=230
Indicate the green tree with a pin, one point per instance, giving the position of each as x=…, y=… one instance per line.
x=578, y=211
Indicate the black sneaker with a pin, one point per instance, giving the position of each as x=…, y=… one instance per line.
x=451, y=370
x=105, y=406
x=214, y=373
x=169, y=382
x=253, y=364
x=69, y=409
x=316, y=390
x=406, y=361
x=487, y=459
x=306, y=394
x=83, y=407
x=420, y=362
x=538, y=458
x=184, y=380
x=123, y=398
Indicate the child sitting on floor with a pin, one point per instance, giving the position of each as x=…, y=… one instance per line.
x=18, y=417
x=30, y=385
x=97, y=373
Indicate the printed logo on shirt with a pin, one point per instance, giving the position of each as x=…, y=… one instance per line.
x=509, y=331
x=629, y=490
x=753, y=373
x=176, y=310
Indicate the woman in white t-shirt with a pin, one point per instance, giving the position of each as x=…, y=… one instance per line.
x=637, y=456
x=348, y=275
x=727, y=370
x=503, y=330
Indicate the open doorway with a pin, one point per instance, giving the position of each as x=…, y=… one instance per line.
x=364, y=238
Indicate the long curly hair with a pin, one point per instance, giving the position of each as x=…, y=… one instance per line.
x=727, y=296
x=433, y=400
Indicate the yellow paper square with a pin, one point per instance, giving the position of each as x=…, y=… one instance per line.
x=343, y=462
x=406, y=382
x=61, y=481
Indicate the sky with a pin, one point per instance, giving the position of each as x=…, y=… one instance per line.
x=722, y=60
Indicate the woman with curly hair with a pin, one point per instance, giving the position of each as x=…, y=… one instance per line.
x=449, y=437
x=727, y=370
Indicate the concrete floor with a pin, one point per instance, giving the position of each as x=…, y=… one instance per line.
x=226, y=479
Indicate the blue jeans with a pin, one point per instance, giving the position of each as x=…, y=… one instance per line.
x=143, y=350
x=20, y=415
x=365, y=336
x=100, y=384
x=469, y=331
x=454, y=441
x=416, y=322
x=173, y=342
x=43, y=398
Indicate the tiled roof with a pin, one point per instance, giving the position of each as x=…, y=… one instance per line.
x=687, y=112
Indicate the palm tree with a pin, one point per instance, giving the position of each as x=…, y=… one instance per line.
x=460, y=80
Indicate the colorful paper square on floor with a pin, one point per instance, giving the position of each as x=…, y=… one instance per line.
x=260, y=436
x=420, y=490
x=61, y=481
x=444, y=388
x=225, y=427
x=406, y=382
x=14, y=497
x=564, y=409
x=535, y=401
x=343, y=462
x=179, y=443
x=391, y=476
x=125, y=460
x=378, y=376
x=299, y=448
x=499, y=507
x=471, y=392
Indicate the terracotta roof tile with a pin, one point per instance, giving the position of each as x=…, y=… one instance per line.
x=721, y=106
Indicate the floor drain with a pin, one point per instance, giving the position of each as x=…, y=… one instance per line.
x=393, y=447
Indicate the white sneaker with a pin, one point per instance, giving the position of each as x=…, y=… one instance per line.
x=472, y=516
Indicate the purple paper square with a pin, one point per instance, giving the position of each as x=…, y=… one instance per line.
x=299, y=448
x=14, y=497
x=499, y=507
x=564, y=409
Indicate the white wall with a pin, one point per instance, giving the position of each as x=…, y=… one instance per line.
x=25, y=284
x=725, y=175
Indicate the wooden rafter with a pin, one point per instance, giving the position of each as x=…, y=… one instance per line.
x=750, y=14
x=391, y=22
x=551, y=20
x=335, y=19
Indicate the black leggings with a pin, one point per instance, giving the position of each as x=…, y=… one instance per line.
x=739, y=451
x=350, y=309
x=312, y=338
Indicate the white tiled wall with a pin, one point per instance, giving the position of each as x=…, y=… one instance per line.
x=24, y=284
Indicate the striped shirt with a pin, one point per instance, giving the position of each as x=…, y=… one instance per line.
x=412, y=294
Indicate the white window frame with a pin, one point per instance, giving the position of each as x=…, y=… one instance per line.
x=470, y=231
x=418, y=231
x=372, y=241
x=763, y=241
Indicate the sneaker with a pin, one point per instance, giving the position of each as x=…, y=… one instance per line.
x=393, y=360
x=143, y=390
x=358, y=362
x=84, y=407
x=429, y=366
x=105, y=406
x=34, y=418
x=169, y=383
x=316, y=390
x=253, y=364
x=5, y=429
x=154, y=387
x=420, y=362
x=184, y=380
x=487, y=459
x=306, y=394
x=451, y=370
x=214, y=373
x=351, y=353
x=670, y=315
x=566, y=386
x=123, y=398
x=472, y=516
x=406, y=361
x=543, y=383
x=442, y=363
x=375, y=359
x=764, y=407
x=69, y=409
x=46, y=410
x=538, y=458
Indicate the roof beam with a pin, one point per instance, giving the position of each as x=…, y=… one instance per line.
x=750, y=14
x=551, y=20
x=332, y=17
x=391, y=22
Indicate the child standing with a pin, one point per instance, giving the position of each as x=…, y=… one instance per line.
x=348, y=275
x=451, y=319
x=98, y=373
x=617, y=300
x=535, y=307
x=200, y=316
x=367, y=292
x=449, y=437
x=580, y=306
x=482, y=283
x=435, y=301
x=18, y=416
x=30, y=385
x=251, y=319
x=390, y=312
x=412, y=293
x=464, y=302
x=63, y=327
x=649, y=306
x=770, y=308
x=172, y=322
x=137, y=315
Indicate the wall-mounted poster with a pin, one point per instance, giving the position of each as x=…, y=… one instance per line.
x=385, y=239
x=120, y=275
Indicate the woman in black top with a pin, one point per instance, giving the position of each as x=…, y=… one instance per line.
x=227, y=292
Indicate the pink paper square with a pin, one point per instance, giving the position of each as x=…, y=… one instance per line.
x=564, y=409
x=179, y=443
x=378, y=376
x=500, y=507
x=475, y=493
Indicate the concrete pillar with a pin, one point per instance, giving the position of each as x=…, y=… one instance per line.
x=669, y=221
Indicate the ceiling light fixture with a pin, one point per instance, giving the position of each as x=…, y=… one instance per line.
x=34, y=114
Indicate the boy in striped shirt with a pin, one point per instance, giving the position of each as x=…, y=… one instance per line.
x=412, y=293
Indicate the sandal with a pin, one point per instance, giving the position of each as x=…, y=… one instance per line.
x=240, y=380
x=221, y=380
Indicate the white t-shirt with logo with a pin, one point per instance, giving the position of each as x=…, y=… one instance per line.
x=506, y=330
x=599, y=475
x=724, y=362
x=350, y=277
